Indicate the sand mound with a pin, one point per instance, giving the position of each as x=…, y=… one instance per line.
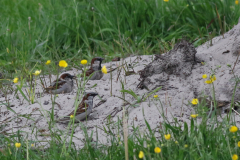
x=33, y=119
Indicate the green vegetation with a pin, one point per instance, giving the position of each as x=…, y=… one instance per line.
x=35, y=31
x=32, y=32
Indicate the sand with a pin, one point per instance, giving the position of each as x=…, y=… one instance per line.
x=33, y=119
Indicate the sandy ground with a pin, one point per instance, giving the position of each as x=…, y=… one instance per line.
x=32, y=119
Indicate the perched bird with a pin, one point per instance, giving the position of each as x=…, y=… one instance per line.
x=95, y=68
x=62, y=85
x=83, y=110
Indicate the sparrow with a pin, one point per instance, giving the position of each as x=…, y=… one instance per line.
x=95, y=69
x=83, y=110
x=62, y=85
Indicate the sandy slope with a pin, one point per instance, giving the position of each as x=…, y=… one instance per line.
x=175, y=100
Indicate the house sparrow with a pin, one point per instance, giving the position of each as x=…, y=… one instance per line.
x=83, y=110
x=95, y=69
x=63, y=85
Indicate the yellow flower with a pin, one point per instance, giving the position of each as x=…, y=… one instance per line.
x=141, y=154
x=37, y=72
x=104, y=69
x=204, y=76
x=17, y=145
x=71, y=116
x=165, y=0
x=167, y=136
x=48, y=62
x=236, y=2
x=32, y=145
x=7, y=50
x=194, y=115
x=185, y=146
x=157, y=150
x=213, y=78
x=233, y=129
x=15, y=80
x=84, y=61
x=155, y=96
x=63, y=64
x=235, y=157
x=176, y=142
x=195, y=101
x=238, y=143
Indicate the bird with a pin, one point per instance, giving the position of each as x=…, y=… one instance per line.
x=83, y=110
x=62, y=85
x=95, y=69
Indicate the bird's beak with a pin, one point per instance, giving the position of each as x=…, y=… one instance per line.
x=94, y=94
x=74, y=77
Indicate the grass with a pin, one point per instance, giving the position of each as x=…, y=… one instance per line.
x=32, y=32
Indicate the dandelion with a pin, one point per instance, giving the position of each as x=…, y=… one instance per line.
x=204, y=76
x=165, y=0
x=233, y=129
x=157, y=150
x=235, y=157
x=48, y=62
x=167, y=136
x=15, y=80
x=71, y=116
x=155, y=96
x=238, y=143
x=194, y=115
x=195, y=101
x=84, y=61
x=37, y=72
x=236, y=2
x=104, y=69
x=7, y=50
x=141, y=154
x=63, y=64
x=32, y=145
x=208, y=81
x=17, y=145
x=185, y=146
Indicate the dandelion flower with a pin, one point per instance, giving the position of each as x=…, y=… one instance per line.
x=194, y=115
x=71, y=116
x=233, y=129
x=238, y=143
x=155, y=96
x=17, y=145
x=48, y=62
x=185, y=146
x=236, y=2
x=104, y=69
x=204, y=76
x=37, y=72
x=141, y=154
x=165, y=0
x=235, y=157
x=208, y=81
x=84, y=61
x=167, y=136
x=15, y=80
x=195, y=101
x=157, y=150
x=32, y=145
x=213, y=78
x=63, y=64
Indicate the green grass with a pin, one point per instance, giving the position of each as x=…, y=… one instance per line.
x=73, y=30
x=76, y=29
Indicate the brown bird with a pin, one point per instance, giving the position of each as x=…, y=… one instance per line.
x=83, y=110
x=95, y=69
x=62, y=85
